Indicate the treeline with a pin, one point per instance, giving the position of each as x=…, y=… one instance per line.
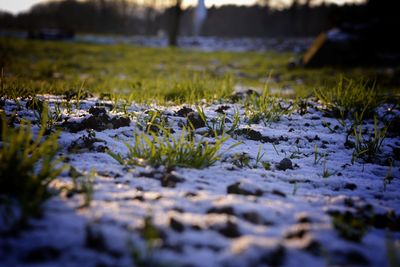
x=93, y=16
x=126, y=17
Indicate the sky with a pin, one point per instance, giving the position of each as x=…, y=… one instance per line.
x=16, y=6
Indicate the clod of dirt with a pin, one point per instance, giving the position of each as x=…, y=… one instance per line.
x=349, y=144
x=139, y=198
x=176, y=225
x=170, y=180
x=241, y=188
x=229, y=230
x=278, y=193
x=254, y=218
x=190, y=194
x=221, y=109
x=194, y=120
x=315, y=118
x=118, y=122
x=249, y=134
x=221, y=210
x=86, y=143
x=303, y=218
x=312, y=139
x=297, y=231
x=285, y=164
x=350, y=186
x=98, y=122
x=178, y=209
x=97, y=111
x=183, y=112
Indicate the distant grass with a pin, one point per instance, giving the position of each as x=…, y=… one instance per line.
x=350, y=98
x=265, y=108
x=146, y=73
x=150, y=74
x=357, y=101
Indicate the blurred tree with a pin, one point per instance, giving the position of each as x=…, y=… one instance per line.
x=175, y=22
x=150, y=16
x=138, y=17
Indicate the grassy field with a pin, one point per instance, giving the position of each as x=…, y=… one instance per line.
x=162, y=74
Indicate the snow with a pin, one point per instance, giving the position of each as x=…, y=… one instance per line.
x=288, y=224
x=208, y=44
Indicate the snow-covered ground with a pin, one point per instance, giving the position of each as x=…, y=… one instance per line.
x=223, y=215
x=194, y=43
x=207, y=43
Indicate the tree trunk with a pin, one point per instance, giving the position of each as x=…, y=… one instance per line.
x=176, y=19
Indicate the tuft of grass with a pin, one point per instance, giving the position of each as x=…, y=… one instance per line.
x=317, y=155
x=218, y=126
x=28, y=165
x=153, y=121
x=241, y=160
x=349, y=226
x=266, y=165
x=326, y=173
x=296, y=154
x=259, y=156
x=170, y=151
x=265, y=108
x=349, y=97
x=45, y=117
x=369, y=148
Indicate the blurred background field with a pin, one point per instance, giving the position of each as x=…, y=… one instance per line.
x=31, y=66
x=184, y=51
